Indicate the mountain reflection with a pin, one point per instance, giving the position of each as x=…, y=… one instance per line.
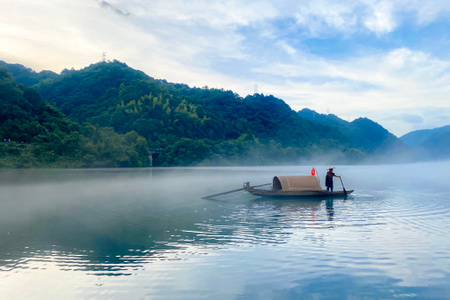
x=108, y=225
x=147, y=233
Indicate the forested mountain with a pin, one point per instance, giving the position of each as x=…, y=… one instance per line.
x=327, y=120
x=25, y=75
x=35, y=134
x=430, y=143
x=364, y=135
x=189, y=126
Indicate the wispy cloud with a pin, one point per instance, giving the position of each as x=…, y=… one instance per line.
x=408, y=118
x=353, y=58
x=107, y=5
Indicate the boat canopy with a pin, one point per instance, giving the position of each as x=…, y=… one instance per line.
x=296, y=183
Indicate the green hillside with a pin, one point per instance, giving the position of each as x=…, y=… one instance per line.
x=192, y=126
x=25, y=75
x=35, y=134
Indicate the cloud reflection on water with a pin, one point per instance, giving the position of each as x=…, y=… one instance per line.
x=153, y=224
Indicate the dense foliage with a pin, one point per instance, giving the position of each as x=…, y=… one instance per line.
x=25, y=75
x=35, y=134
x=191, y=126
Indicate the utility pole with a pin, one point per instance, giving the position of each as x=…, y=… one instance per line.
x=103, y=56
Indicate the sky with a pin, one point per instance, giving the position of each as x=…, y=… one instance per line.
x=388, y=61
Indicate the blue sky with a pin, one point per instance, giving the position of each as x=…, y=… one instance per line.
x=385, y=60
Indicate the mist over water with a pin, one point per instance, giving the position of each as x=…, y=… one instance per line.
x=147, y=233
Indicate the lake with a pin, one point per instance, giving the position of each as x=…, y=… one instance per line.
x=148, y=234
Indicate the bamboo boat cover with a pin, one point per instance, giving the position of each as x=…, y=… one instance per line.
x=296, y=183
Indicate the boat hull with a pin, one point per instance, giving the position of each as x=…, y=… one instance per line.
x=294, y=194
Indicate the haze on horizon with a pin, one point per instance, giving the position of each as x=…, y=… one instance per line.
x=384, y=60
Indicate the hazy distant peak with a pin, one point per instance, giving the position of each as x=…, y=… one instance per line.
x=419, y=137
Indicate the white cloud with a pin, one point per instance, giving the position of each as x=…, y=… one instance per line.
x=181, y=41
x=287, y=48
x=380, y=18
x=321, y=16
x=216, y=14
x=426, y=11
x=408, y=118
x=378, y=86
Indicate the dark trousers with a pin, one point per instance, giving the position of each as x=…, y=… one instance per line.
x=329, y=188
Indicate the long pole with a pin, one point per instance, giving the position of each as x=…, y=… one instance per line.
x=345, y=192
x=232, y=191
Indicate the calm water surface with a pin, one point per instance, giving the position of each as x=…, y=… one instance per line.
x=148, y=234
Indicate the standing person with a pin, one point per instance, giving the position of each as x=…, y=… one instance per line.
x=329, y=179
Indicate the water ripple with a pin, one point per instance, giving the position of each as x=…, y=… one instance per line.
x=158, y=242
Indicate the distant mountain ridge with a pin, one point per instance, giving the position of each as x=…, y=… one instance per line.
x=430, y=143
x=209, y=126
x=326, y=119
x=25, y=75
x=362, y=133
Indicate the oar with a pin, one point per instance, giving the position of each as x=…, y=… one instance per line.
x=229, y=192
x=232, y=191
x=345, y=192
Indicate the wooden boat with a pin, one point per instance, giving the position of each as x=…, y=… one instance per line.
x=295, y=186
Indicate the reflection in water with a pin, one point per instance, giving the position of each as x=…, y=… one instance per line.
x=60, y=227
x=329, y=206
x=114, y=239
x=110, y=232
